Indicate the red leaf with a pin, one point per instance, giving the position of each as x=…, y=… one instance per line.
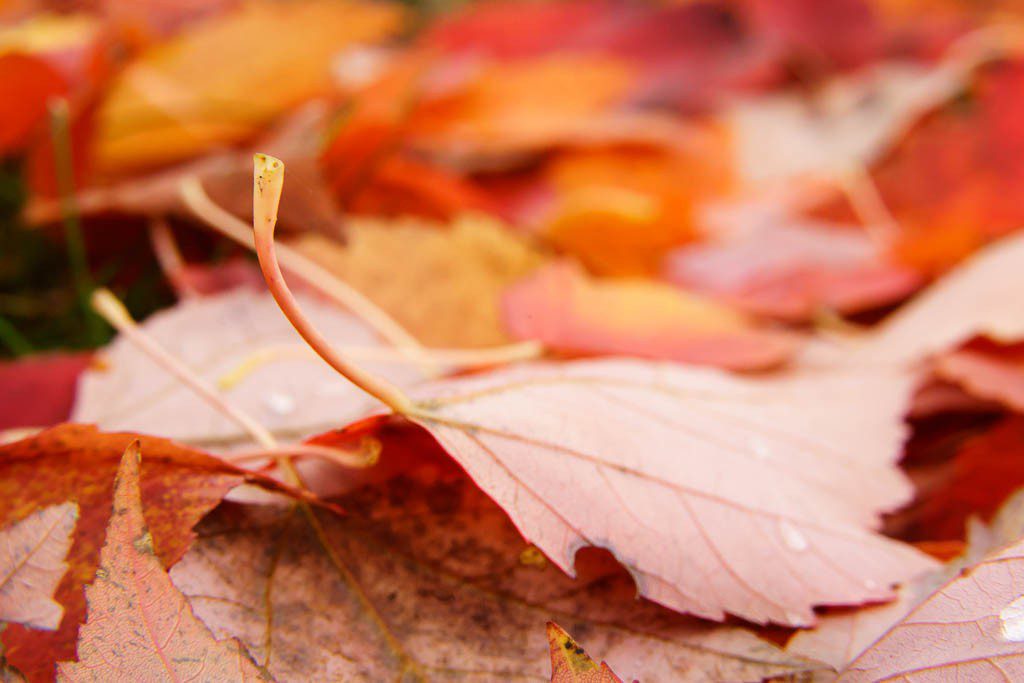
x=39, y=390
x=139, y=625
x=987, y=370
x=563, y=308
x=32, y=554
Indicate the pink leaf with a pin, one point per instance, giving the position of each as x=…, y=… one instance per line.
x=753, y=497
x=32, y=563
x=139, y=626
x=971, y=629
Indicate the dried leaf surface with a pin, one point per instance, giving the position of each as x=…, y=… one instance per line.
x=570, y=664
x=76, y=462
x=719, y=494
x=427, y=578
x=139, y=626
x=442, y=284
x=32, y=554
x=986, y=370
x=970, y=629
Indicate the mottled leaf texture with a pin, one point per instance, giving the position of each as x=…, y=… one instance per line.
x=140, y=627
x=32, y=554
x=571, y=664
x=971, y=629
x=978, y=298
x=753, y=497
x=428, y=579
x=77, y=462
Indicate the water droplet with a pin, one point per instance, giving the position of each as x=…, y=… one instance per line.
x=794, y=619
x=759, y=448
x=792, y=537
x=282, y=404
x=1012, y=621
x=870, y=584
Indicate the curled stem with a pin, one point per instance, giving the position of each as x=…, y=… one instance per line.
x=229, y=225
x=268, y=181
x=169, y=257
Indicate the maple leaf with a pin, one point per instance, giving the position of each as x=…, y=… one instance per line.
x=425, y=577
x=238, y=340
x=32, y=553
x=448, y=295
x=969, y=628
x=568, y=311
x=570, y=664
x=77, y=462
x=138, y=624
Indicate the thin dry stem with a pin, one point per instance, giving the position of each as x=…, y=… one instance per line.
x=113, y=311
x=169, y=257
x=268, y=181
x=367, y=455
x=196, y=199
x=866, y=201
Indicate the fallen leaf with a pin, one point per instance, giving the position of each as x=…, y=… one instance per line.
x=986, y=370
x=567, y=310
x=195, y=92
x=620, y=210
x=425, y=577
x=39, y=390
x=975, y=299
x=77, y=462
x=570, y=664
x=32, y=554
x=447, y=290
x=139, y=626
x=970, y=628
x=720, y=494
x=240, y=340
x=783, y=268
x=985, y=470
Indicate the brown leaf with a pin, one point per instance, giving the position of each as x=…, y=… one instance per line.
x=32, y=554
x=570, y=664
x=720, y=494
x=139, y=626
x=568, y=311
x=77, y=462
x=441, y=284
x=425, y=577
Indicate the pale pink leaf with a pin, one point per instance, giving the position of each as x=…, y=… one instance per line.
x=720, y=494
x=32, y=562
x=139, y=626
x=971, y=629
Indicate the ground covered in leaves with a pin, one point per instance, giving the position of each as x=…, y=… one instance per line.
x=686, y=334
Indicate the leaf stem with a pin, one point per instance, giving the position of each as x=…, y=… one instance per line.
x=268, y=182
x=198, y=201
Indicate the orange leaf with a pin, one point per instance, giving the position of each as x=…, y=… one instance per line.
x=566, y=310
x=720, y=494
x=32, y=554
x=225, y=79
x=570, y=664
x=139, y=625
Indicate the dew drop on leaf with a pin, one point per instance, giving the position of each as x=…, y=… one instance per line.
x=1011, y=620
x=792, y=537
